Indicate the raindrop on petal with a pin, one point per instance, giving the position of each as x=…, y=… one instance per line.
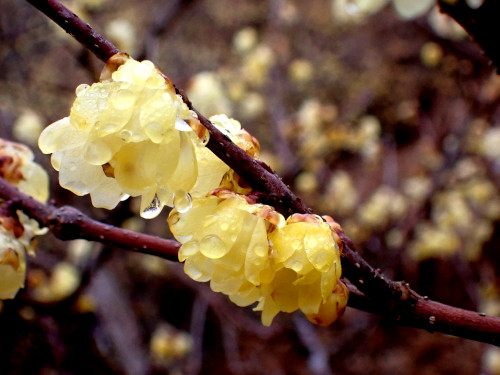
x=153, y=210
x=212, y=247
x=182, y=201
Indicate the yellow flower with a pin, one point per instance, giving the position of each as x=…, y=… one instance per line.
x=12, y=265
x=17, y=168
x=17, y=236
x=128, y=136
x=250, y=253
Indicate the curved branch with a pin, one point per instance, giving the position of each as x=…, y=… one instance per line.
x=68, y=223
x=393, y=300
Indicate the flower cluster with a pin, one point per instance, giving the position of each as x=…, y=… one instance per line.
x=17, y=236
x=17, y=233
x=130, y=135
x=252, y=254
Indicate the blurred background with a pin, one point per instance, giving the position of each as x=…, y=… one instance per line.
x=391, y=126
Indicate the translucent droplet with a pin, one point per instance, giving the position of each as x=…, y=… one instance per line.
x=153, y=210
x=188, y=249
x=154, y=131
x=182, y=201
x=123, y=99
x=124, y=197
x=321, y=261
x=108, y=128
x=204, y=137
x=182, y=126
x=212, y=247
x=260, y=251
x=310, y=242
x=97, y=153
x=296, y=266
x=318, y=218
x=141, y=72
x=296, y=244
x=224, y=226
x=81, y=88
x=126, y=135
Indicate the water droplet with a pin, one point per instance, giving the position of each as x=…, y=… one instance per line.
x=296, y=244
x=224, y=226
x=296, y=266
x=124, y=197
x=182, y=125
x=154, y=131
x=97, y=153
x=141, y=72
x=321, y=261
x=182, y=201
x=81, y=88
x=108, y=128
x=125, y=135
x=204, y=137
x=188, y=249
x=311, y=242
x=153, y=210
x=260, y=251
x=212, y=247
x=432, y=319
x=123, y=99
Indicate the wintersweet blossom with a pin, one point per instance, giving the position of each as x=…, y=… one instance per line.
x=17, y=234
x=127, y=135
x=250, y=253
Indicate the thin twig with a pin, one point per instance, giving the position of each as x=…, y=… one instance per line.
x=68, y=223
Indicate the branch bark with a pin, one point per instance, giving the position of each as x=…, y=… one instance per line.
x=68, y=223
x=375, y=293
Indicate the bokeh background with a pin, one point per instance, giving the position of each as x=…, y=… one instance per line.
x=391, y=126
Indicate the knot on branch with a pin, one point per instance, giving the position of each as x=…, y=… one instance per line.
x=66, y=222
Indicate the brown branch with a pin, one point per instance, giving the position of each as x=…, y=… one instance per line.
x=411, y=310
x=481, y=24
x=394, y=300
x=67, y=223
x=434, y=317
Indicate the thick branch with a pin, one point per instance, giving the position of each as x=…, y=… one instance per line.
x=394, y=300
x=481, y=24
x=435, y=317
x=67, y=223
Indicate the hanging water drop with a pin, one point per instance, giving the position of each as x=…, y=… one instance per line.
x=153, y=210
x=212, y=247
x=182, y=201
x=126, y=135
x=81, y=88
x=205, y=137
